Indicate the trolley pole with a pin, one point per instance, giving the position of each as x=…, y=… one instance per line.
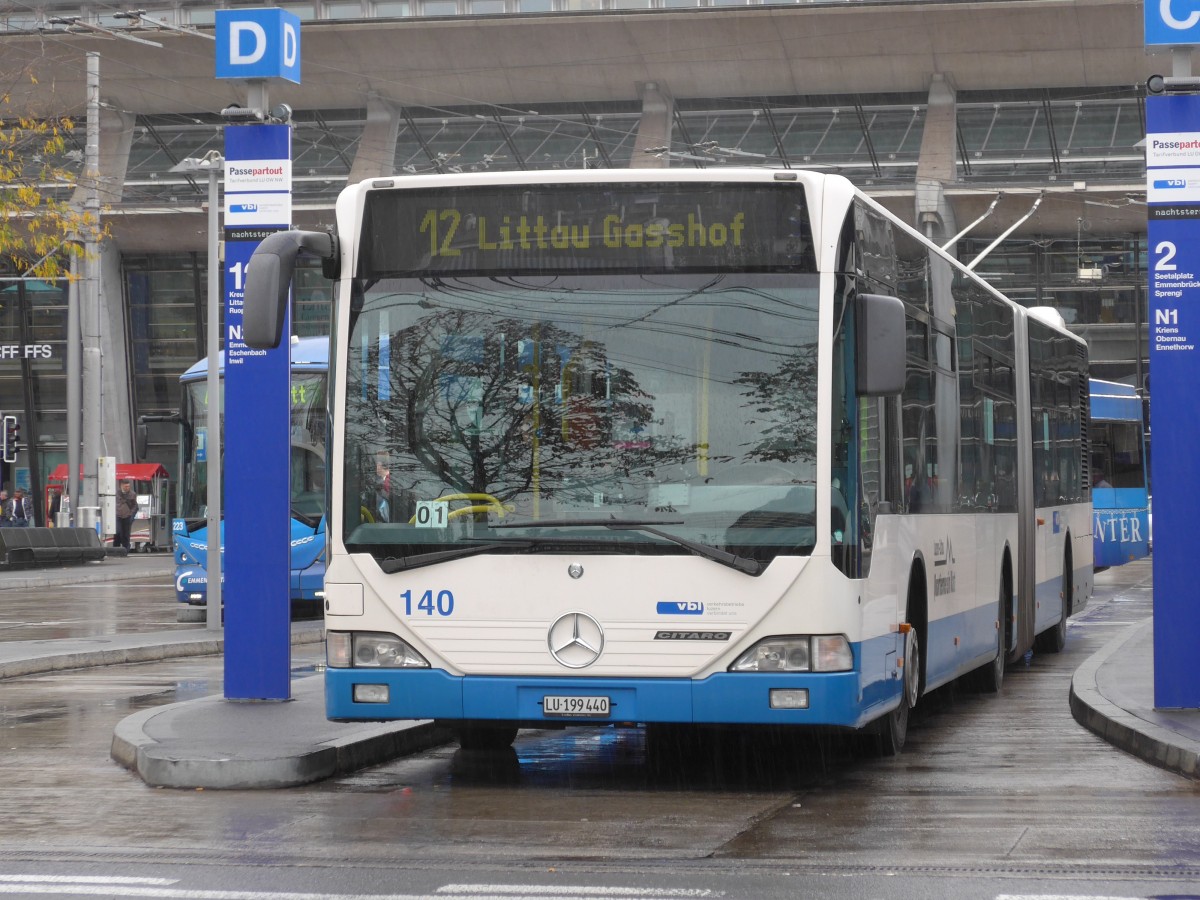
x=213, y=598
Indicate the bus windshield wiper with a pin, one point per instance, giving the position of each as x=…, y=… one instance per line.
x=649, y=526
x=395, y=564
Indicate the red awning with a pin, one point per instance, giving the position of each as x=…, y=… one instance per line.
x=132, y=471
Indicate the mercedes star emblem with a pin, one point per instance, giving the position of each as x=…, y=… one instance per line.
x=576, y=640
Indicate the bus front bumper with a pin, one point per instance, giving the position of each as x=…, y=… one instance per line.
x=833, y=699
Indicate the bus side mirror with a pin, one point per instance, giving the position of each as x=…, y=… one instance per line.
x=880, y=345
x=269, y=280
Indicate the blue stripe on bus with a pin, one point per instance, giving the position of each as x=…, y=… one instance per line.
x=835, y=698
x=957, y=642
x=741, y=698
x=954, y=645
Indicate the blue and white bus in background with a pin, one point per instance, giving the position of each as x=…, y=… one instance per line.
x=1120, y=494
x=679, y=449
x=310, y=367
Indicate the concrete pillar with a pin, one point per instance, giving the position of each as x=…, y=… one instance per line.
x=116, y=423
x=936, y=164
x=655, y=126
x=116, y=140
x=376, y=155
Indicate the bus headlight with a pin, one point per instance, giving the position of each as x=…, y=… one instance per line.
x=370, y=650
x=831, y=653
x=797, y=653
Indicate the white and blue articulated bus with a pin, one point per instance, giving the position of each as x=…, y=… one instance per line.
x=310, y=366
x=679, y=448
x=1120, y=495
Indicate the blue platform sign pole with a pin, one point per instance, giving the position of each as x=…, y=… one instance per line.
x=1173, y=228
x=256, y=44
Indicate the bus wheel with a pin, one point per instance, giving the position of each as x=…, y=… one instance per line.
x=892, y=729
x=1055, y=639
x=485, y=737
x=989, y=678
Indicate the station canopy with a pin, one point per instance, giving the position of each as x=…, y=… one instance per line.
x=131, y=471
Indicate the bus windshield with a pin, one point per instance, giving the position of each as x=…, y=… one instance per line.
x=531, y=401
x=308, y=447
x=1117, y=455
x=540, y=358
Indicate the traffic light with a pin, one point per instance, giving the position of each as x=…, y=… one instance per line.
x=12, y=434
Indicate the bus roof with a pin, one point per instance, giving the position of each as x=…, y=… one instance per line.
x=309, y=354
x=1113, y=401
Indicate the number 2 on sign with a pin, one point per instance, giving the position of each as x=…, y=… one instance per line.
x=442, y=604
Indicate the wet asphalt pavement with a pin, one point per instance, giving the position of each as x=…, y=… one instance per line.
x=1004, y=790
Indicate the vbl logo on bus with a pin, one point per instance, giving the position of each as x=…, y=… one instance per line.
x=681, y=608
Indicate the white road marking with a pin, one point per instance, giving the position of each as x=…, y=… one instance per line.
x=87, y=885
x=523, y=890
x=86, y=879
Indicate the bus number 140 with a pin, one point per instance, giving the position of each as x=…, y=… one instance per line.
x=442, y=603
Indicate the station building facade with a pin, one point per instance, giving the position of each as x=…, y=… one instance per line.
x=1012, y=130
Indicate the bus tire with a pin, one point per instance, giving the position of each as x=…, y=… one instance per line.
x=485, y=737
x=891, y=730
x=988, y=679
x=1054, y=639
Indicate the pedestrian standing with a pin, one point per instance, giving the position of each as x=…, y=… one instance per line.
x=5, y=520
x=20, y=509
x=127, y=510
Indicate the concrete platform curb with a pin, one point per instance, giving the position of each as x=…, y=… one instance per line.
x=118, y=569
x=1124, y=729
x=39, y=657
x=219, y=744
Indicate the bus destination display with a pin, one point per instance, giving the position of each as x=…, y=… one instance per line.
x=673, y=227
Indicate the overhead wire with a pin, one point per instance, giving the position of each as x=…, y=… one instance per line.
x=537, y=121
x=708, y=51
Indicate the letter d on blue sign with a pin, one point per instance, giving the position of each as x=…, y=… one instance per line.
x=258, y=43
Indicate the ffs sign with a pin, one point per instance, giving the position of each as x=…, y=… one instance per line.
x=258, y=43
x=25, y=351
x=1172, y=22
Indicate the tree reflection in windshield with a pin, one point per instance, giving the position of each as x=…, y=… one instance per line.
x=579, y=396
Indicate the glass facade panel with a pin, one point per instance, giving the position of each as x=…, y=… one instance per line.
x=343, y=9
x=167, y=301
x=1094, y=136
x=1098, y=285
x=32, y=313
x=305, y=12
